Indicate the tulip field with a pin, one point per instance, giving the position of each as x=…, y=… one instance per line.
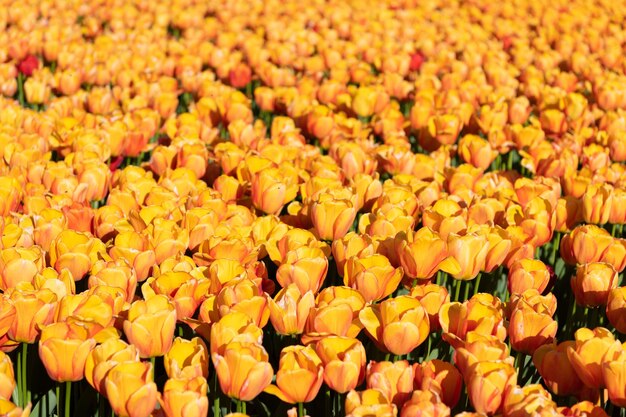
x=324, y=208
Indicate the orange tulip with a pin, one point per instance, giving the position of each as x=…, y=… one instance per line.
x=233, y=327
x=393, y=379
x=528, y=330
x=185, y=397
x=527, y=274
x=75, y=251
x=8, y=409
x=130, y=389
x=520, y=401
x=371, y=402
x=290, y=309
x=593, y=282
x=299, y=376
x=150, y=325
x=616, y=308
x=597, y=203
x=185, y=290
x=470, y=252
x=271, y=189
x=63, y=349
x=441, y=378
x=352, y=244
x=306, y=267
x=102, y=358
x=431, y=297
x=412, y=248
x=591, y=349
x=242, y=295
x=487, y=383
x=187, y=359
x=344, y=362
x=478, y=348
x=19, y=265
x=477, y=151
x=585, y=244
x=7, y=378
x=33, y=309
x=424, y=404
x=555, y=369
x=374, y=276
x=243, y=370
x=614, y=378
x=333, y=212
x=397, y=325
x=136, y=250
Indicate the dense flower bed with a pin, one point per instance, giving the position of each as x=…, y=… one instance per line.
x=326, y=208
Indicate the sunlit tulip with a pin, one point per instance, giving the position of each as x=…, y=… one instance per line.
x=243, y=370
x=597, y=202
x=299, y=376
x=332, y=213
x=593, y=282
x=75, y=251
x=616, y=308
x=371, y=402
x=8, y=409
x=614, y=375
x=591, y=349
x=187, y=359
x=7, y=378
x=290, y=309
x=424, y=403
x=519, y=401
x=487, y=383
x=344, y=362
x=186, y=397
x=527, y=274
x=63, y=349
x=33, y=309
x=271, y=190
x=431, y=297
x=150, y=325
x=555, y=369
x=105, y=356
x=233, y=327
x=441, y=378
x=185, y=290
x=393, y=379
x=352, y=244
x=528, y=330
x=470, y=252
x=374, y=276
x=305, y=267
x=131, y=390
x=397, y=325
x=413, y=249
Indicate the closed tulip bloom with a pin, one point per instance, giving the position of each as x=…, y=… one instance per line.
x=290, y=309
x=374, y=276
x=585, y=244
x=104, y=357
x=63, y=349
x=150, y=325
x=487, y=382
x=33, y=309
x=371, y=402
x=134, y=248
x=591, y=349
x=243, y=370
x=185, y=290
x=616, y=308
x=423, y=253
x=242, y=295
x=75, y=251
x=131, y=390
x=614, y=377
x=555, y=369
x=597, y=203
x=441, y=378
x=477, y=151
x=528, y=330
x=479, y=315
x=424, y=404
x=20, y=265
x=478, y=348
x=234, y=327
x=431, y=297
x=393, y=379
x=271, y=190
x=185, y=397
x=299, y=376
x=352, y=244
x=7, y=378
x=344, y=362
x=333, y=212
x=397, y=325
x=593, y=282
x=187, y=359
x=527, y=274
x=336, y=314
x=520, y=401
x=306, y=267
x=470, y=252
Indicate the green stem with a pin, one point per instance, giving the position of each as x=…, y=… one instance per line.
x=20, y=384
x=519, y=361
x=68, y=396
x=467, y=287
x=477, y=283
x=24, y=366
x=153, y=363
x=216, y=397
x=301, y=410
x=58, y=394
x=457, y=291
x=20, y=90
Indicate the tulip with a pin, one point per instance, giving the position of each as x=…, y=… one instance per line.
x=7, y=378
x=614, y=378
x=371, y=402
x=585, y=244
x=528, y=330
x=470, y=252
x=242, y=295
x=487, y=383
x=299, y=376
x=440, y=378
x=234, y=327
x=187, y=359
x=616, y=308
x=593, y=282
x=243, y=370
x=102, y=358
x=352, y=244
x=63, y=349
x=130, y=389
x=332, y=213
x=150, y=325
x=397, y=325
x=412, y=248
x=336, y=313
x=8, y=409
x=19, y=265
x=597, y=202
x=555, y=369
x=424, y=403
x=185, y=397
x=33, y=309
x=527, y=274
x=306, y=267
x=271, y=190
x=431, y=297
x=343, y=359
x=520, y=401
x=290, y=309
x=393, y=379
x=591, y=349
x=374, y=276
x=477, y=151
x=185, y=290
x=75, y=251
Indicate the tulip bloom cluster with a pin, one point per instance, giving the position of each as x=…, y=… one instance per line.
x=342, y=208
